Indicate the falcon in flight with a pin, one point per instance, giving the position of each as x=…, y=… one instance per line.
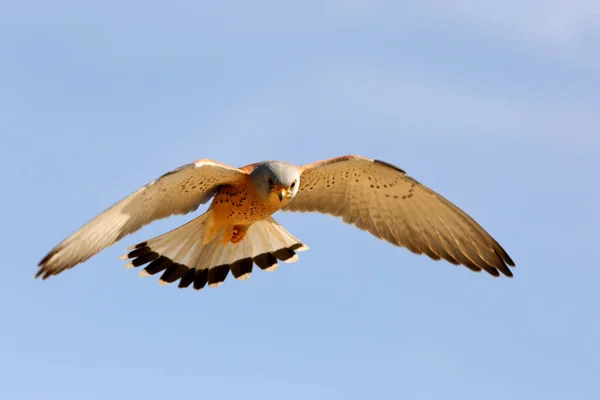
x=238, y=230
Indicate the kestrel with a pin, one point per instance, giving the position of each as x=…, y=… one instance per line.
x=238, y=229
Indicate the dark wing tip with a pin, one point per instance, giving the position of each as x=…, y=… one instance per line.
x=492, y=271
x=500, y=266
x=392, y=166
x=44, y=270
x=504, y=264
x=508, y=273
x=505, y=257
x=45, y=259
x=41, y=272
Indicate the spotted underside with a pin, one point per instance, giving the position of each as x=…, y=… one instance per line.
x=240, y=205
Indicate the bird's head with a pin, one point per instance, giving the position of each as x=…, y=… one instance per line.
x=276, y=181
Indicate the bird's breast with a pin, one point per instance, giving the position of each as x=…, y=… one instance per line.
x=241, y=205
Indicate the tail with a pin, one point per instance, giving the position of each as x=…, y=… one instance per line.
x=182, y=256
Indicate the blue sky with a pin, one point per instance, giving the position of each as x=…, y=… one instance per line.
x=495, y=107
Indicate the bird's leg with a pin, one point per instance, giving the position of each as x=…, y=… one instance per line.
x=239, y=233
x=235, y=234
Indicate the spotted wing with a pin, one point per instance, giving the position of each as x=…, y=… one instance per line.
x=177, y=192
x=382, y=199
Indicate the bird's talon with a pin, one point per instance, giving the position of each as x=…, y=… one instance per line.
x=235, y=235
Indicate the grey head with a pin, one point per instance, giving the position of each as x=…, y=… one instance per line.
x=276, y=180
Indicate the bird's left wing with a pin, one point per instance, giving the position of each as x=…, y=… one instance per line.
x=180, y=191
x=382, y=199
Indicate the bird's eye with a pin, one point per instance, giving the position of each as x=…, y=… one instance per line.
x=271, y=183
x=293, y=184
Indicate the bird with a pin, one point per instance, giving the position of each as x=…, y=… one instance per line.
x=238, y=231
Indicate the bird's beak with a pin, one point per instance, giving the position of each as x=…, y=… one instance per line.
x=281, y=193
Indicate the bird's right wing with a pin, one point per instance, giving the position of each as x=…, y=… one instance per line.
x=381, y=199
x=180, y=191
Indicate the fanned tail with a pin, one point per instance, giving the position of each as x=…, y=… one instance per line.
x=181, y=255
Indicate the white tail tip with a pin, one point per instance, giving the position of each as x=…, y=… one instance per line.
x=144, y=273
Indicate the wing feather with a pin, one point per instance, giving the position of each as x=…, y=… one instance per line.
x=382, y=199
x=177, y=192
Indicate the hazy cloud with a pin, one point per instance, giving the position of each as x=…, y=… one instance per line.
x=554, y=23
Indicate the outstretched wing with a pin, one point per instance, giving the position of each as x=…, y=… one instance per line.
x=382, y=199
x=177, y=192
